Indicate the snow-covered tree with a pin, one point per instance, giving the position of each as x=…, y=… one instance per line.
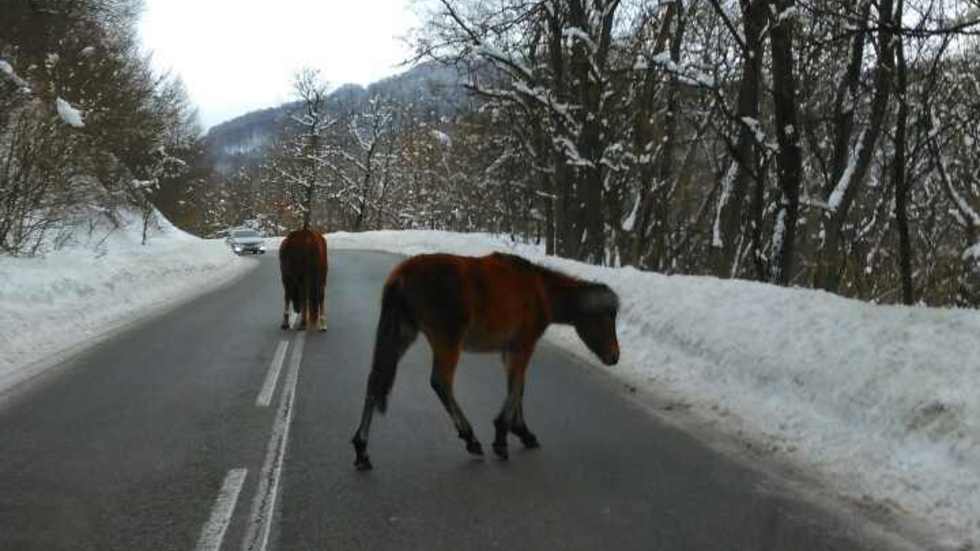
x=85, y=97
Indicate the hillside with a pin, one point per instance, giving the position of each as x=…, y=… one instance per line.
x=431, y=88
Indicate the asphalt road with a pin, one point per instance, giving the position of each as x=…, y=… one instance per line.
x=162, y=438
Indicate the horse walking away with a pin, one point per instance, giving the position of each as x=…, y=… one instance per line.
x=495, y=303
x=303, y=264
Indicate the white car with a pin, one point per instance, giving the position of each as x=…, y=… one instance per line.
x=244, y=240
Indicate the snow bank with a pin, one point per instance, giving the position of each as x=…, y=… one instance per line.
x=99, y=283
x=881, y=401
x=426, y=241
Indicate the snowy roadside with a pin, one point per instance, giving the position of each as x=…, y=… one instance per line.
x=882, y=402
x=83, y=292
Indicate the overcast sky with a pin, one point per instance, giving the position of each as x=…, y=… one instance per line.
x=239, y=55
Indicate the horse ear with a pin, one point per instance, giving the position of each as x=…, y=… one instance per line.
x=598, y=299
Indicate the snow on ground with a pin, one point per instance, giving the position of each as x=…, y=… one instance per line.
x=883, y=402
x=100, y=281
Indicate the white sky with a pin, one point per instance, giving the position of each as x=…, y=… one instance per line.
x=236, y=56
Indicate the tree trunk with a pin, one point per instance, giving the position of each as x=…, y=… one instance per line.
x=650, y=224
x=899, y=176
x=311, y=185
x=828, y=276
x=789, y=157
x=745, y=162
x=549, y=219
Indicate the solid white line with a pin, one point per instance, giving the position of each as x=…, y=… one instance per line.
x=265, y=396
x=214, y=531
x=264, y=505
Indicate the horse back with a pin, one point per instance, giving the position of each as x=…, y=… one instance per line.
x=486, y=303
x=302, y=250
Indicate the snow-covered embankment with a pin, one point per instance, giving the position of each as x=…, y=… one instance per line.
x=100, y=281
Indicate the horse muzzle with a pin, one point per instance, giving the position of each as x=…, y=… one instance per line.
x=611, y=357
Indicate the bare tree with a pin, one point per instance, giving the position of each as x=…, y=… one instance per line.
x=312, y=92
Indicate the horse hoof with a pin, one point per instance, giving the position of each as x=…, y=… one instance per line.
x=363, y=464
x=531, y=442
x=284, y=326
x=474, y=447
x=501, y=451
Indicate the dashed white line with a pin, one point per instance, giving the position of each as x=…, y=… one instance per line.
x=214, y=531
x=264, y=505
x=265, y=395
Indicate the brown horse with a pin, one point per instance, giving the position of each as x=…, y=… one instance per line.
x=303, y=263
x=493, y=303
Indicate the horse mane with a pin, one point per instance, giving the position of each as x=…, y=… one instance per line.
x=548, y=274
x=587, y=297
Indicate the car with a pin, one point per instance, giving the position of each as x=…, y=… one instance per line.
x=245, y=240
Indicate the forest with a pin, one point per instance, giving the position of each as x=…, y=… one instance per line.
x=825, y=144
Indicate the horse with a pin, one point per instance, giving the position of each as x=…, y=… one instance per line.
x=496, y=303
x=303, y=265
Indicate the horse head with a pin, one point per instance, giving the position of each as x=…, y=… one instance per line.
x=594, y=319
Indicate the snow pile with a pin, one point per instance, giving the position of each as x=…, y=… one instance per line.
x=8, y=69
x=99, y=283
x=972, y=252
x=68, y=114
x=883, y=401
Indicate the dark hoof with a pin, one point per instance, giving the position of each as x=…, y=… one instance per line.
x=530, y=442
x=527, y=437
x=474, y=447
x=284, y=326
x=363, y=463
x=501, y=450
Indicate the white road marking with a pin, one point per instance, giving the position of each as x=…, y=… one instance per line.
x=265, y=396
x=214, y=531
x=264, y=505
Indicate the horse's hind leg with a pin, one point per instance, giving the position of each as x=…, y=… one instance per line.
x=304, y=314
x=285, y=311
x=360, y=439
x=323, y=309
x=443, y=370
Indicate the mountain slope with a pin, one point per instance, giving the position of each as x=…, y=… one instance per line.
x=433, y=90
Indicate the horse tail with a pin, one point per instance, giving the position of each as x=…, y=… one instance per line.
x=397, y=329
x=311, y=284
x=296, y=296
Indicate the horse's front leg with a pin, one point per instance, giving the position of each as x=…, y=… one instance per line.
x=511, y=416
x=519, y=427
x=444, y=360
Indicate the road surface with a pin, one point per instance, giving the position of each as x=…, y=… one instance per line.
x=210, y=428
